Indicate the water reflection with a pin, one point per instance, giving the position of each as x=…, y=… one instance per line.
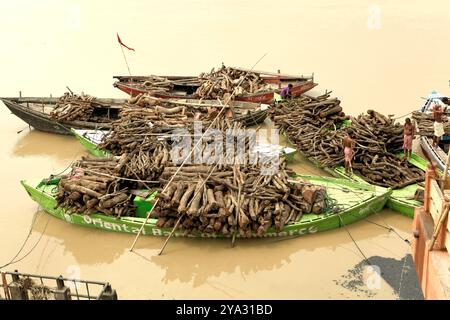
x=196, y=261
x=37, y=143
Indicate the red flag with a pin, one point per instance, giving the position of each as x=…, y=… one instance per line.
x=120, y=41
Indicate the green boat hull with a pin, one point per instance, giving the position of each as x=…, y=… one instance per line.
x=90, y=146
x=369, y=199
x=400, y=199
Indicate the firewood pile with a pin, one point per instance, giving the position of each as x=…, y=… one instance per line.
x=226, y=80
x=74, y=107
x=247, y=113
x=224, y=200
x=314, y=125
x=162, y=84
x=135, y=137
x=235, y=199
x=425, y=123
x=142, y=155
x=95, y=185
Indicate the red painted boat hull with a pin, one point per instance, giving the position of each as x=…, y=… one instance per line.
x=265, y=97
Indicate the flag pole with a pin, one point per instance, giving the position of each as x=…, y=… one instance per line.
x=125, y=58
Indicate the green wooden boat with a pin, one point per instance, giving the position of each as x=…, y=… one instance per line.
x=352, y=201
x=400, y=200
x=91, y=138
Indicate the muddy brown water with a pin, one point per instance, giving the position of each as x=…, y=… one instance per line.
x=380, y=55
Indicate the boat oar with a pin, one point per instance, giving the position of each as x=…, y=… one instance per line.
x=170, y=235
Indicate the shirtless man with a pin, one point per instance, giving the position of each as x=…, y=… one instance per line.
x=409, y=131
x=349, y=145
x=438, y=125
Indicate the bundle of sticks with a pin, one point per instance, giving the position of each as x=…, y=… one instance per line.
x=315, y=125
x=247, y=113
x=226, y=80
x=161, y=84
x=228, y=199
x=425, y=123
x=83, y=107
x=93, y=186
x=72, y=107
x=235, y=199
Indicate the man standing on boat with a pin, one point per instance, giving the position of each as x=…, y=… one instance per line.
x=438, y=124
x=409, y=130
x=286, y=93
x=349, y=145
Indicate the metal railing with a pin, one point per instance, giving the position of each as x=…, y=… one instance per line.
x=23, y=286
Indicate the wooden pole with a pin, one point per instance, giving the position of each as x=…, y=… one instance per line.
x=125, y=58
x=192, y=199
x=190, y=153
x=170, y=235
x=444, y=177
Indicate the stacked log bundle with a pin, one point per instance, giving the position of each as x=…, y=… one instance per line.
x=425, y=123
x=73, y=107
x=225, y=200
x=162, y=84
x=315, y=126
x=226, y=80
x=249, y=114
x=235, y=199
x=93, y=186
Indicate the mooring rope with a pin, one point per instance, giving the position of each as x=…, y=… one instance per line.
x=13, y=261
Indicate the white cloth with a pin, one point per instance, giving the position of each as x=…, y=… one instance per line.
x=438, y=129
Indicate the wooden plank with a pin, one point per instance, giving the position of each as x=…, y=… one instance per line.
x=448, y=224
x=434, y=211
x=436, y=196
x=447, y=241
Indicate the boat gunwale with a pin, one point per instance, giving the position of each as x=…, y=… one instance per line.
x=169, y=95
x=378, y=194
x=45, y=116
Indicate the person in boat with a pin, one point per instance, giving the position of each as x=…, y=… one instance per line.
x=349, y=145
x=409, y=130
x=438, y=124
x=286, y=93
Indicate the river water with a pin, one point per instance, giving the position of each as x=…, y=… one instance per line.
x=373, y=54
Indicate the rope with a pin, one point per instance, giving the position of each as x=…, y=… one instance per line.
x=120, y=178
x=403, y=115
x=192, y=150
x=387, y=226
x=13, y=261
x=354, y=242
